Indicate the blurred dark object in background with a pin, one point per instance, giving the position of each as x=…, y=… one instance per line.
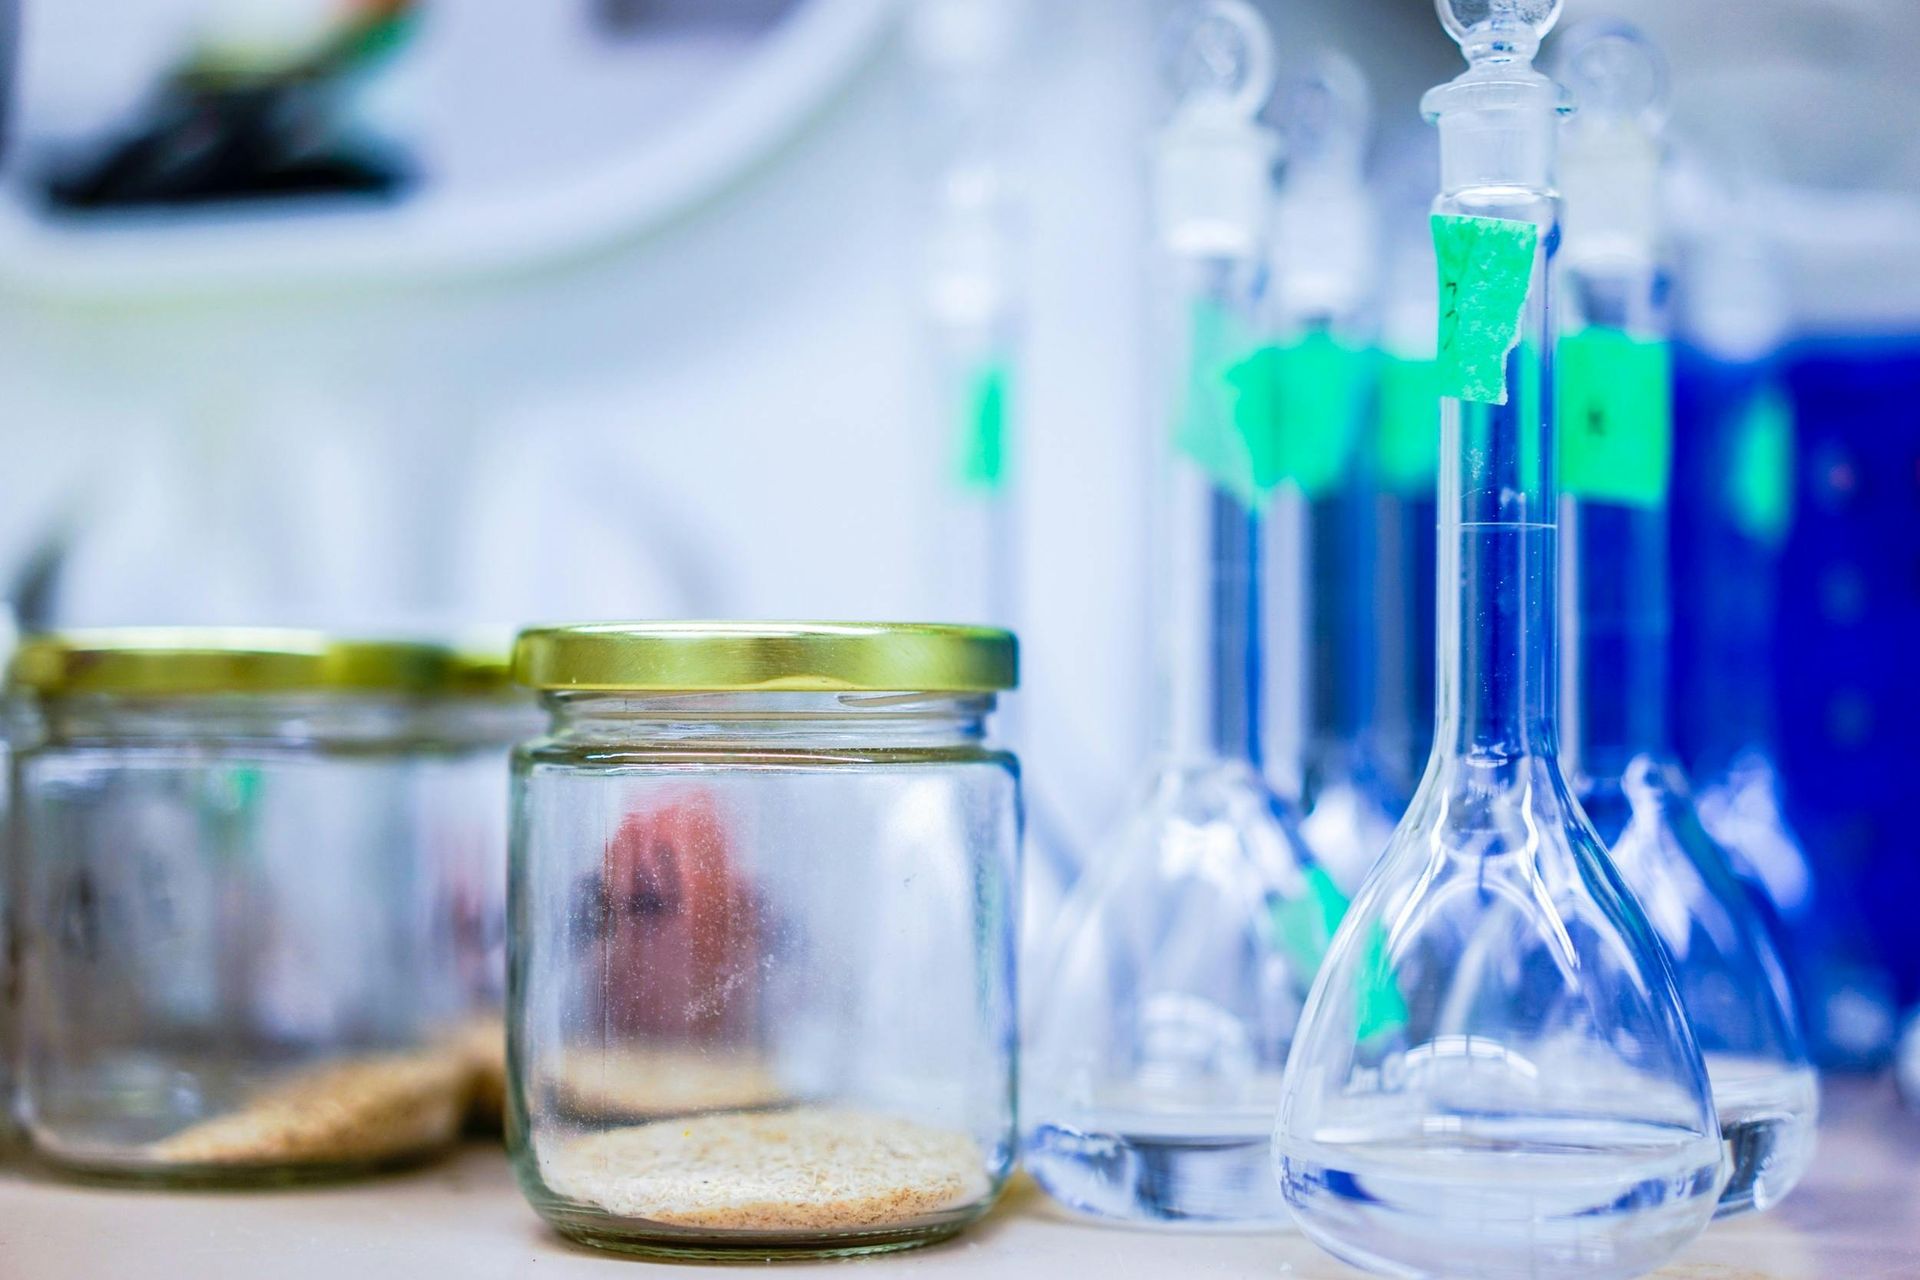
x=245, y=122
x=632, y=17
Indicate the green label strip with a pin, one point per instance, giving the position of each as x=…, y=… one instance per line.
x=1319, y=394
x=1304, y=926
x=983, y=428
x=1486, y=268
x=1614, y=412
x=1304, y=930
x=1258, y=416
x=1407, y=430
x=1227, y=403
x=1760, y=470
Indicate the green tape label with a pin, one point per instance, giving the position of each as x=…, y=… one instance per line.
x=1613, y=411
x=1320, y=389
x=1304, y=927
x=1486, y=268
x=1228, y=403
x=1286, y=412
x=1406, y=439
x=1760, y=468
x=983, y=439
x=1381, y=1010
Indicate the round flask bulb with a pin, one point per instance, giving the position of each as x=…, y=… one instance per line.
x=1493, y=1062
x=1218, y=56
x=1731, y=978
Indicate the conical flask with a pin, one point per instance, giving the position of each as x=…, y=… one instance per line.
x=1493, y=1076
x=1613, y=406
x=1160, y=1026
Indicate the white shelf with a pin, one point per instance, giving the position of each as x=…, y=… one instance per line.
x=1857, y=1218
x=344, y=243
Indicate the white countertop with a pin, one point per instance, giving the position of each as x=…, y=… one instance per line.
x=1857, y=1217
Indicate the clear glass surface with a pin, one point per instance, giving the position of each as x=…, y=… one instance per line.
x=16, y=729
x=462, y=802
x=1726, y=959
x=1351, y=803
x=761, y=957
x=1161, y=1028
x=226, y=970
x=1906, y=1064
x=1730, y=976
x=1493, y=1076
x=1160, y=1024
x=1845, y=1000
x=1618, y=612
x=1844, y=996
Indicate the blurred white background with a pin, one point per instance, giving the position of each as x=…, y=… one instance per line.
x=649, y=340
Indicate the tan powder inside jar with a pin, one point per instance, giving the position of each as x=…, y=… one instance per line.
x=811, y=1168
x=369, y=1109
x=642, y=1083
x=482, y=1045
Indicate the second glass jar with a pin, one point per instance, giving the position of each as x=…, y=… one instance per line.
x=761, y=936
x=228, y=967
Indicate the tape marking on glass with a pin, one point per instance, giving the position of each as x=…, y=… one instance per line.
x=1485, y=269
x=1407, y=428
x=1318, y=388
x=983, y=444
x=1760, y=469
x=1614, y=414
x=1227, y=405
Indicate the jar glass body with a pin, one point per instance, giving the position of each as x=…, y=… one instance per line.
x=461, y=778
x=17, y=727
x=761, y=970
x=229, y=948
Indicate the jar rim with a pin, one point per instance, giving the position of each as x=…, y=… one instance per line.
x=702, y=657
x=207, y=661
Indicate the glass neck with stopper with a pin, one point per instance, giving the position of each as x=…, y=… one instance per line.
x=1497, y=589
x=1209, y=526
x=1496, y=227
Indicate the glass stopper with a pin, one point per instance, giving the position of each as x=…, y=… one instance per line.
x=1483, y=27
x=1614, y=73
x=1218, y=56
x=1328, y=114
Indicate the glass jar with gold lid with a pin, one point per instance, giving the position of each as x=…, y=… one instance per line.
x=469, y=731
x=233, y=964
x=761, y=941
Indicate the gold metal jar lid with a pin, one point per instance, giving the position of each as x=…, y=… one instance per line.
x=716, y=657
x=196, y=661
x=482, y=673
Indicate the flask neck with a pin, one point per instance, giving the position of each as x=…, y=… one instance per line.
x=1208, y=544
x=1617, y=608
x=1498, y=578
x=1498, y=123
x=1619, y=625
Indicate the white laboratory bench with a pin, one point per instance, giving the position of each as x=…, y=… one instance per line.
x=1857, y=1217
